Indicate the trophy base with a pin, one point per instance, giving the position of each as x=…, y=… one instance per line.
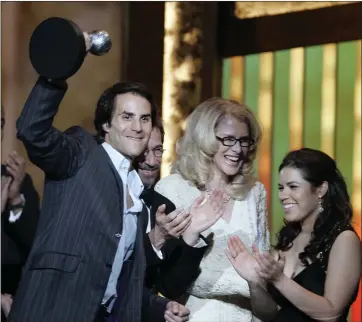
x=57, y=48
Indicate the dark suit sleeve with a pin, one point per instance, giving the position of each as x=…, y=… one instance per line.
x=151, y=257
x=57, y=153
x=153, y=307
x=180, y=266
x=180, y=269
x=23, y=230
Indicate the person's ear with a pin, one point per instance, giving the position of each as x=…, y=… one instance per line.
x=105, y=127
x=322, y=189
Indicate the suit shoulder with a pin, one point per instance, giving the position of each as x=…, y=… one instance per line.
x=79, y=133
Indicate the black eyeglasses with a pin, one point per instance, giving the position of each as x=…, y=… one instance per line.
x=157, y=152
x=231, y=141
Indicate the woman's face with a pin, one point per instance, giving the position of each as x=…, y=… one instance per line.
x=229, y=159
x=297, y=196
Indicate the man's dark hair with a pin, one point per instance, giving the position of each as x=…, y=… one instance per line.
x=105, y=106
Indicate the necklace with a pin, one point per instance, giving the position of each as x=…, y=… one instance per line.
x=208, y=192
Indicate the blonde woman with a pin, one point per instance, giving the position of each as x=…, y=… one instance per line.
x=217, y=153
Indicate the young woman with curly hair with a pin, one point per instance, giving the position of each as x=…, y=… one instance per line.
x=314, y=272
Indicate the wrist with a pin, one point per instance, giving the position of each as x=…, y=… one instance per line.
x=157, y=238
x=190, y=239
x=277, y=282
x=256, y=281
x=16, y=200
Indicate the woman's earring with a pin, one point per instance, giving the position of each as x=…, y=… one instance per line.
x=320, y=204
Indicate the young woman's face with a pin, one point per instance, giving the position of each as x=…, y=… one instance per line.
x=297, y=196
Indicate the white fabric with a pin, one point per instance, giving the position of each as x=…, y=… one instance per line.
x=218, y=278
x=127, y=237
x=15, y=217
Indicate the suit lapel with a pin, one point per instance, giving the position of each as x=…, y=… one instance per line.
x=115, y=175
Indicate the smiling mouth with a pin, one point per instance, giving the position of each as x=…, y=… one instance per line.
x=134, y=139
x=148, y=172
x=289, y=206
x=234, y=160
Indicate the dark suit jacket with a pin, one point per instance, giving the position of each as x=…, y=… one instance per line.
x=17, y=237
x=69, y=265
x=180, y=267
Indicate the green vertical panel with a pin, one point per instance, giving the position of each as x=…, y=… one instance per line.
x=251, y=81
x=251, y=87
x=280, y=133
x=313, y=97
x=226, y=75
x=346, y=78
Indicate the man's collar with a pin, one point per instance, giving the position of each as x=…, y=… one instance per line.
x=119, y=161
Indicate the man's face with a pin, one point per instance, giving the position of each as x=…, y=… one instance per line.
x=131, y=125
x=149, y=163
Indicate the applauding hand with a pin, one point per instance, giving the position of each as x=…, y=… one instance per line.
x=15, y=165
x=171, y=225
x=5, y=184
x=271, y=269
x=205, y=212
x=243, y=262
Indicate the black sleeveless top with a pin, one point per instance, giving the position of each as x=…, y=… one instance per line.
x=313, y=279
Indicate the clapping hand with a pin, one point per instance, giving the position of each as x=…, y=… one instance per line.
x=176, y=312
x=243, y=262
x=15, y=165
x=271, y=269
x=171, y=225
x=205, y=212
x=5, y=184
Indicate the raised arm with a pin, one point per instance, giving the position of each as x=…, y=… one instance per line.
x=58, y=154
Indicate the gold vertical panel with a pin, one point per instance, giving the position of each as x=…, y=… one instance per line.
x=181, y=71
x=265, y=115
x=168, y=84
x=356, y=193
x=328, y=117
x=236, y=81
x=296, y=81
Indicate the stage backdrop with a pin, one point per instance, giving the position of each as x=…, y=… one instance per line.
x=303, y=97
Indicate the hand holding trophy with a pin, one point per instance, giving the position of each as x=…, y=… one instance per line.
x=58, y=47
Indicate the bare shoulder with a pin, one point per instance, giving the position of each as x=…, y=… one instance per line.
x=347, y=239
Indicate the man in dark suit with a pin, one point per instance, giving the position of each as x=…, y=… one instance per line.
x=87, y=262
x=19, y=217
x=172, y=264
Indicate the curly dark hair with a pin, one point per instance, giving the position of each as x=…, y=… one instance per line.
x=105, y=106
x=317, y=167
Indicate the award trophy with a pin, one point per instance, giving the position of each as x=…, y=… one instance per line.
x=58, y=47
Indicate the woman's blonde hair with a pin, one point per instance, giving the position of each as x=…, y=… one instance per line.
x=196, y=149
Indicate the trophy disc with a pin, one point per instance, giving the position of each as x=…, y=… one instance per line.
x=57, y=48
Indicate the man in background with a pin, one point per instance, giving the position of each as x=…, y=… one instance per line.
x=19, y=217
x=172, y=264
